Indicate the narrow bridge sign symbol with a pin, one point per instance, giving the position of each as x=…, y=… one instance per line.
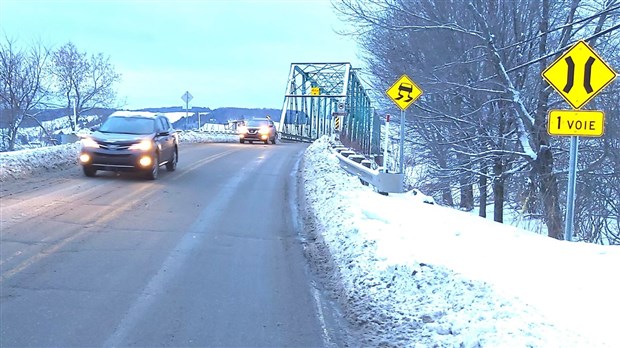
x=404, y=92
x=579, y=75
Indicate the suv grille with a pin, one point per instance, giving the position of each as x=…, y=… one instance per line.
x=114, y=147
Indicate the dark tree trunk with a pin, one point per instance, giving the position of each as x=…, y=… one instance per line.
x=446, y=191
x=467, y=195
x=498, y=190
x=543, y=165
x=467, y=191
x=447, y=197
x=483, y=194
x=530, y=201
x=548, y=189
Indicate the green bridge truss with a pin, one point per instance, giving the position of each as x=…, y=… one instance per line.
x=319, y=93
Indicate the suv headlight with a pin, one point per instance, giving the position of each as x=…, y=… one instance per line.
x=90, y=143
x=263, y=130
x=144, y=145
x=242, y=129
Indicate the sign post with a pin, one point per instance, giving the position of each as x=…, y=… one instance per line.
x=187, y=97
x=403, y=93
x=572, y=187
x=387, y=142
x=338, y=116
x=578, y=76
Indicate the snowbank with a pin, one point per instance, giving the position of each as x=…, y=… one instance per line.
x=420, y=275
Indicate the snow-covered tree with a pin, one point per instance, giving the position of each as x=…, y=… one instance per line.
x=484, y=110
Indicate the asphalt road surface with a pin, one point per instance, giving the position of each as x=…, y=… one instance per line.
x=208, y=255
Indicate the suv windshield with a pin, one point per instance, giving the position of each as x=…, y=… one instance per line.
x=257, y=123
x=128, y=125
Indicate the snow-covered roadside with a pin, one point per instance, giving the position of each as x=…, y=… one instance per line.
x=403, y=297
x=21, y=163
x=18, y=164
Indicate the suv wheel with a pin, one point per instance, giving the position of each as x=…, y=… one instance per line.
x=89, y=171
x=172, y=163
x=154, y=172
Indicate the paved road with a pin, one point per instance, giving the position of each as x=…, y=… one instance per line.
x=208, y=255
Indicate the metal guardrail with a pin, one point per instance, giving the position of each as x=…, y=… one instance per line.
x=293, y=137
x=281, y=136
x=229, y=132
x=357, y=165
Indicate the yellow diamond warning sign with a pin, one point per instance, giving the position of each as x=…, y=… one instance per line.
x=586, y=123
x=579, y=74
x=404, y=92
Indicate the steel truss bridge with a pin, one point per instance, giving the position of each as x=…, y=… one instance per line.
x=329, y=99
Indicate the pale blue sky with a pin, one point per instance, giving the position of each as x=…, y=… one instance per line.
x=225, y=53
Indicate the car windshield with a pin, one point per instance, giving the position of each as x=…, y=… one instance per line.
x=128, y=125
x=257, y=123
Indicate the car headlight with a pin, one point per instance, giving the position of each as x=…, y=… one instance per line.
x=84, y=158
x=146, y=161
x=90, y=143
x=263, y=130
x=242, y=129
x=144, y=145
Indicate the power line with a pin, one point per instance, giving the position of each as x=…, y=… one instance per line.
x=562, y=49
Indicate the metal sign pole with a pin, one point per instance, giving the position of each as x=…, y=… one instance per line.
x=572, y=185
x=402, y=141
x=187, y=97
x=387, y=143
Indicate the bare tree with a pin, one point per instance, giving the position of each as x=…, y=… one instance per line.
x=83, y=82
x=22, y=90
x=479, y=64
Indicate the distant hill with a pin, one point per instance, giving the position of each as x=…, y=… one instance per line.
x=219, y=115
x=222, y=116
x=52, y=114
x=175, y=109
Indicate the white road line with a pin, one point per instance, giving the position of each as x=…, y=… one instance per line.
x=293, y=199
x=175, y=260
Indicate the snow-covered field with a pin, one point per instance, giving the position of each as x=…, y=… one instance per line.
x=410, y=274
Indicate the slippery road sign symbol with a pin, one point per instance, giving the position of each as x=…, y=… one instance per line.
x=405, y=87
x=404, y=92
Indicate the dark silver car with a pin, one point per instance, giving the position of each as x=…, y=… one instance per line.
x=139, y=143
x=258, y=129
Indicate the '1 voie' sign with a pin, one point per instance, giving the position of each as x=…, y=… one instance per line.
x=589, y=123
